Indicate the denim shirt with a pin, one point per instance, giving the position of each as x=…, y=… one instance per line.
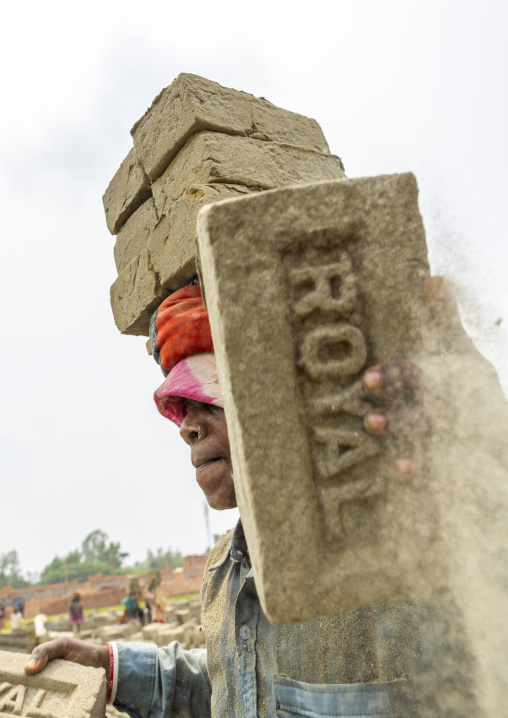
x=348, y=665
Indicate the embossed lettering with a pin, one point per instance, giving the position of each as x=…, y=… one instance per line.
x=319, y=339
x=347, y=401
x=321, y=295
x=343, y=448
x=36, y=709
x=333, y=350
x=13, y=700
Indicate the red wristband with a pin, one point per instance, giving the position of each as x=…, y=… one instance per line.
x=111, y=671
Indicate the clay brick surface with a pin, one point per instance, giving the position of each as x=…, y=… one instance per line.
x=172, y=243
x=62, y=690
x=133, y=236
x=306, y=287
x=295, y=282
x=192, y=103
x=213, y=157
x=135, y=295
x=128, y=189
x=20, y=639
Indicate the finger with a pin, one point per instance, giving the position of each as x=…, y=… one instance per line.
x=87, y=654
x=393, y=380
x=42, y=654
x=405, y=466
x=397, y=421
x=69, y=649
x=59, y=648
x=443, y=305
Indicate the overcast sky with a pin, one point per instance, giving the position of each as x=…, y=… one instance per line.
x=396, y=86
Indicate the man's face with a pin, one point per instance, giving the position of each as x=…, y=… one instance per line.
x=205, y=430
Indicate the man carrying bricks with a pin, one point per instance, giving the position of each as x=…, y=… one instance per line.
x=329, y=666
x=308, y=285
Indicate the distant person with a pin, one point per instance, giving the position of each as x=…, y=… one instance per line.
x=156, y=599
x=21, y=606
x=3, y=608
x=132, y=610
x=40, y=627
x=147, y=613
x=16, y=618
x=76, y=616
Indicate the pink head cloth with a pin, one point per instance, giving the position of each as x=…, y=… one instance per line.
x=194, y=377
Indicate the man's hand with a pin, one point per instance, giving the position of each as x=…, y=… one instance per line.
x=451, y=396
x=86, y=654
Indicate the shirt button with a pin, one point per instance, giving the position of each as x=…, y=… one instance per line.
x=244, y=632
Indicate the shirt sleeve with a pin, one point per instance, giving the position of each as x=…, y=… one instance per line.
x=167, y=682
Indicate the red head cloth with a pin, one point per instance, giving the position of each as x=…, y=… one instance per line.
x=180, y=328
x=182, y=345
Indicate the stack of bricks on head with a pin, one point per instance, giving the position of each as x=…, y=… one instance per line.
x=198, y=143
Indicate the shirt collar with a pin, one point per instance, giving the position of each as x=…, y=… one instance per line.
x=238, y=550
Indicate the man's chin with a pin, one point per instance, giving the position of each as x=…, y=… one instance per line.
x=216, y=482
x=220, y=505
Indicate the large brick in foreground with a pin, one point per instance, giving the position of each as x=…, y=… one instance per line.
x=306, y=287
x=61, y=690
x=192, y=103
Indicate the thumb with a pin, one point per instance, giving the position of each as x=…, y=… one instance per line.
x=37, y=661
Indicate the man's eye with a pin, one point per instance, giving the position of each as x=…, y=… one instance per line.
x=214, y=409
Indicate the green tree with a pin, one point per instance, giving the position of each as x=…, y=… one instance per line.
x=10, y=571
x=97, y=555
x=95, y=548
x=159, y=560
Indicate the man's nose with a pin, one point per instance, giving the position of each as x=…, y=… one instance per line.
x=192, y=429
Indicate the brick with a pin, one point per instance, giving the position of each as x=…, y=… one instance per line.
x=117, y=632
x=133, y=236
x=127, y=191
x=135, y=295
x=184, y=615
x=20, y=639
x=172, y=244
x=306, y=287
x=152, y=630
x=213, y=157
x=295, y=282
x=61, y=690
x=154, y=257
x=192, y=103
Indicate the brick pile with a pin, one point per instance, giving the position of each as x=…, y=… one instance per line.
x=100, y=591
x=198, y=143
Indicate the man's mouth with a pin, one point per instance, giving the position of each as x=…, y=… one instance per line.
x=201, y=463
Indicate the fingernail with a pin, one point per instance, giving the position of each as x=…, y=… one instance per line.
x=372, y=379
x=375, y=421
x=32, y=663
x=404, y=465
